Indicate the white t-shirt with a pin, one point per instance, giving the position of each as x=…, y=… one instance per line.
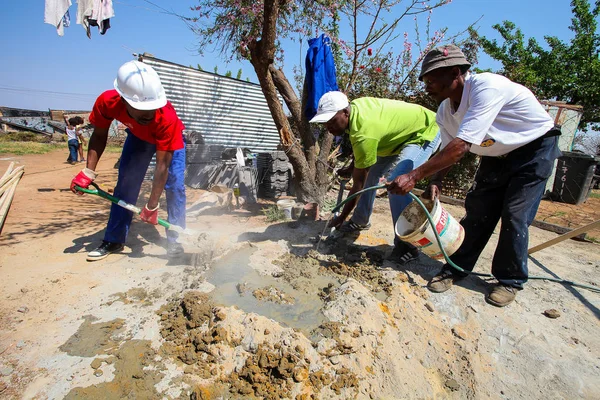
x=72, y=134
x=495, y=115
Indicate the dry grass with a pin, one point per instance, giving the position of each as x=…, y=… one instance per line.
x=22, y=148
x=21, y=143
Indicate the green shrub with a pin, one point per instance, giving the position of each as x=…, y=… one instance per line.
x=273, y=213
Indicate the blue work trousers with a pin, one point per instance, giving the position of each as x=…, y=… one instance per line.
x=390, y=167
x=73, y=148
x=135, y=158
x=508, y=188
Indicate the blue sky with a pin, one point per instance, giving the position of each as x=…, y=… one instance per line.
x=40, y=70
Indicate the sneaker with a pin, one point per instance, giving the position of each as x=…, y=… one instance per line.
x=501, y=295
x=174, y=250
x=352, y=227
x=404, y=253
x=442, y=281
x=104, y=250
x=82, y=160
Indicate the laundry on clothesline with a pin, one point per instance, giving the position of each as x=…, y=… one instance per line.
x=89, y=13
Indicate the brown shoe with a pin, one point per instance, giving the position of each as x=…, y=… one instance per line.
x=442, y=281
x=501, y=295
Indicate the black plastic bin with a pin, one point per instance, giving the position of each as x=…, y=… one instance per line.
x=574, y=174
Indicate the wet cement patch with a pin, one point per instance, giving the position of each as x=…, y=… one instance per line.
x=274, y=295
x=133, y=379
x=93, y=338
x=342, y=262
x=237, y=284
x=195, y=333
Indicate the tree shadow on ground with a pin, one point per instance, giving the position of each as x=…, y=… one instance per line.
x=423, y=266
x=90, y=213
x=570, y=288
x=140, y=235
x=301, y=235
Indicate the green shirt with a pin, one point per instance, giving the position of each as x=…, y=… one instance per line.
x=381, y=127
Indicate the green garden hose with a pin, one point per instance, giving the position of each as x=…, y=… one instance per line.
x=446, y=257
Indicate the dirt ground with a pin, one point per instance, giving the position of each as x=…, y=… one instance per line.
x=253, y=311
x=573, y=216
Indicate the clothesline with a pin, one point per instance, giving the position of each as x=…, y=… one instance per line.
x=89, y=13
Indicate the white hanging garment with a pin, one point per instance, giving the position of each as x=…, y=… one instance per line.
x=54, y=12
x=84, y=12
x=94, y=13
x=102, y=12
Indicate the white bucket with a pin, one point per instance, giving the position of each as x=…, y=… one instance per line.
x=286, y=206
x=413, y=227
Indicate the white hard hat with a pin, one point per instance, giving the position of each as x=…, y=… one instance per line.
x=140, y=86
x=329, y=104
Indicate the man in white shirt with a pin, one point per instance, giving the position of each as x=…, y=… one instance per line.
x=504, y=123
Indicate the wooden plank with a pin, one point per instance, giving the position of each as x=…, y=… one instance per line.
x=8, y=170
x=566, y=236
x=538, y=224
x=6, y=203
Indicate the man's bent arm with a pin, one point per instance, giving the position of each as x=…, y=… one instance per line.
x=359, y=177
x=442, y=161
x=96, y=147
x=438, y=177
x=161, y=173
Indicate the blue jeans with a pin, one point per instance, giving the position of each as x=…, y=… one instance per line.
x=508, y=188
x=411, y=157
x=73, y=148
x=135, y=158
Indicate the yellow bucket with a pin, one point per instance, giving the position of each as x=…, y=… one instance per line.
x=413, y=227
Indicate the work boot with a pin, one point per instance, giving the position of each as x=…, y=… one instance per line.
x=442, y=281
x=174, y=250
x=104, y=250
x=501, y=295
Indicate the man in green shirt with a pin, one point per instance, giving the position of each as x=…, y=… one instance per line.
x=389, y=138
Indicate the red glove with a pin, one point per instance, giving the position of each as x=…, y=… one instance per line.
x=149, y=216
x=83, y=180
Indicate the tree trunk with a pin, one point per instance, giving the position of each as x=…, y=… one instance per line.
x=310, y=164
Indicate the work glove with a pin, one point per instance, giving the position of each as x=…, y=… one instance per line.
x=149, y=216
x=83, y=180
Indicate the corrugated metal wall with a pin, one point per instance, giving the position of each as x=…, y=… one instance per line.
x=223, y=110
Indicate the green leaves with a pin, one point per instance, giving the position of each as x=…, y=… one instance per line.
x=563, y=71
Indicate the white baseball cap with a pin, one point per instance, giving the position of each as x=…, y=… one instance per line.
x=329, y=104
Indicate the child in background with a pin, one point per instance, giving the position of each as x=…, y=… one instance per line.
x=73, y=138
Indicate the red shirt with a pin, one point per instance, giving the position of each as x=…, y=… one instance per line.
x=165, y=131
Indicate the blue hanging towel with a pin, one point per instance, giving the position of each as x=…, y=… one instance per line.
x=320, y=72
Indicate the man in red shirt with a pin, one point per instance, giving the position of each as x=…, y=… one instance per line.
x=138, y=102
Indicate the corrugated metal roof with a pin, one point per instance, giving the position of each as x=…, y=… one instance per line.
x=224, y=110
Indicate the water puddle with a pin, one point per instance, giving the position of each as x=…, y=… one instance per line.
x=235, y=281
